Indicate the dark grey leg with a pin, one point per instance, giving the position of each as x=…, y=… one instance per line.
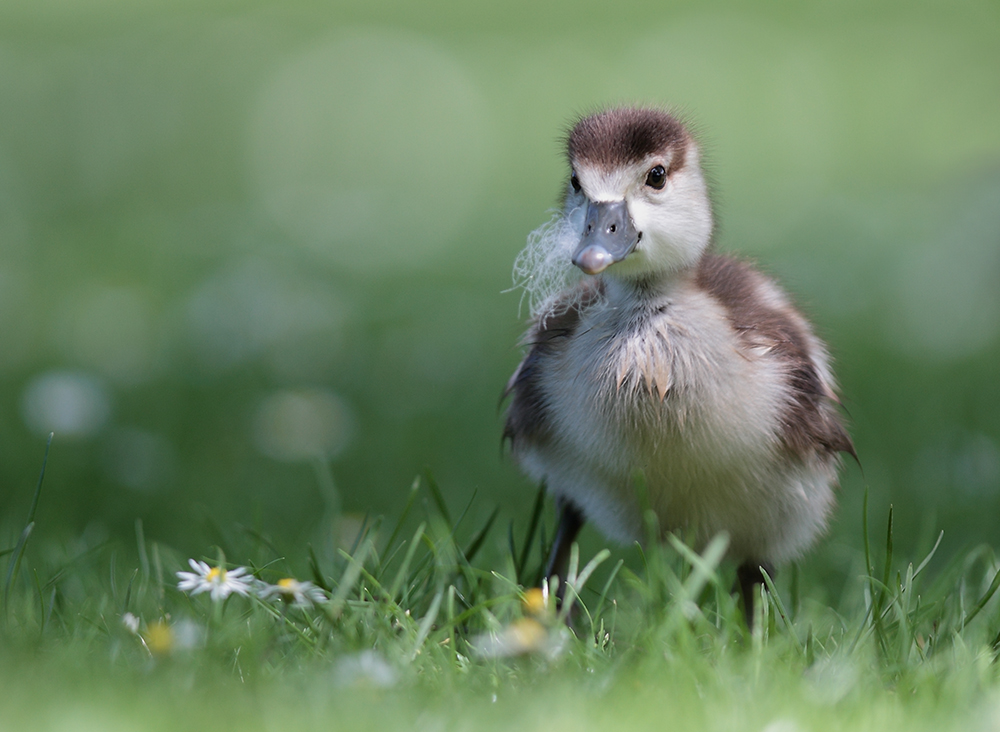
x=570, y=523
x=749, y=577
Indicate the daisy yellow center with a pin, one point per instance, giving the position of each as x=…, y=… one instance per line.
x=288, y=584
x=527, y=634
x=216, y=574
x=159, y=638
x=535, y=602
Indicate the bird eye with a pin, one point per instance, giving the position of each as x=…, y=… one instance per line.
x=657, y=177
x=575, y=182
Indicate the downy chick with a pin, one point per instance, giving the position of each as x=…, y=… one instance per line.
x=669, y=360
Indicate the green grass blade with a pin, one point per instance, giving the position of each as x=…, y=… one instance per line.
x=930, y=555
x=574, y=564
x=607, y=586
x=401, y=575
x=426, y=624
x=41, y=477
x=140, y=543
x=410, y=500
x=529, y=538
x=315, y=571
x=592, y=565
x=884, y=591
x=15, y=564
x=704, y=565
x=477, y=541
x=512, y=548
x=869, y=567
x=775, y=598
x=15, y=561
x=994, y=585
x=887, y=570
x=355, y=563
x=575, y=582
x=128, y=592
x=435, y=492
x=158, y=568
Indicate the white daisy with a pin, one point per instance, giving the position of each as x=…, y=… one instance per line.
x=289, y=589
x=221, y=582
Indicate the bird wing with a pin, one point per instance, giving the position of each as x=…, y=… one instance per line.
x=549, y=332
x=767, y=323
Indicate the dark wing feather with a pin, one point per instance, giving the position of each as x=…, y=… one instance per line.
x=527, y=415
x=810, y=420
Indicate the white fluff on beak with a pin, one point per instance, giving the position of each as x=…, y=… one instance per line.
x=544, y=268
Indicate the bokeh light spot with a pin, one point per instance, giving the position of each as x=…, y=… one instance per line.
x=371, y=147
x=302, y=425
x=254, y=309
x=69, y=403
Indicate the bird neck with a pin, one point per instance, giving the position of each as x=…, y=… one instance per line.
x=645, y=288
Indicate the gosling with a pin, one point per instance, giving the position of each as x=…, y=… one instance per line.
x=668, y=360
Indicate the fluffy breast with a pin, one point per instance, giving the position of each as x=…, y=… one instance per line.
x=666, y=388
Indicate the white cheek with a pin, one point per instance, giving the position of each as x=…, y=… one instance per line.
x=664, y=244
x=643, y=214
x=675, y=228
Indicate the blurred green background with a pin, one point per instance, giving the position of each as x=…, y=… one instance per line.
x=236, y=237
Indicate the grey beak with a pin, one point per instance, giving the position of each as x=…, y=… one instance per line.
x=608, y=237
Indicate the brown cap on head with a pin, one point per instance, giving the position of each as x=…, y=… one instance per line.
x=626, y=135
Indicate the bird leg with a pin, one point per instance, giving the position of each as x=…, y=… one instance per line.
x=748, y=578
x=570, y=523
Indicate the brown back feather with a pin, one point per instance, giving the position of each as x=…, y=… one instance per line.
x=810, y=421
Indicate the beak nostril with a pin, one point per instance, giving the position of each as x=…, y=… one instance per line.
x=609, y=229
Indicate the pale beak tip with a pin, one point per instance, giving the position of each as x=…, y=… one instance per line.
x=593, y=259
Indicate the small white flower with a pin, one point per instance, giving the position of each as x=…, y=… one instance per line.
x=367, y=668
x=188, y=634
x=521, y=637
x=289, y=589
x=131, y=622
x=221, y=582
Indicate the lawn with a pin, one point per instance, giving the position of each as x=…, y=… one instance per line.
x=409, y=629
x=255, y=276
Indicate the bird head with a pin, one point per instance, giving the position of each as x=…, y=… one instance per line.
x=636, y=174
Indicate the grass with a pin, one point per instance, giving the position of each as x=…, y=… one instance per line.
x=438, y=626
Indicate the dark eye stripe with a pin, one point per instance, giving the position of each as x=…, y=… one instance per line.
x=575, y=182
x=657, y=177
